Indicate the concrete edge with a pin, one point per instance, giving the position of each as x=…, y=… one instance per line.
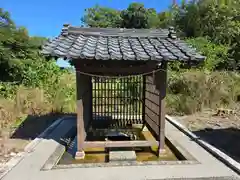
x=231, y=163
x=123, y=163
x=29, y=148
x=54, y=158
x=202, y=178
x=182, y=153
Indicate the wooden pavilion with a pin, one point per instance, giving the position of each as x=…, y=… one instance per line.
x=121, y=52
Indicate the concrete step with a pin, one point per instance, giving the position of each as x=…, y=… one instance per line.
x=122, y=156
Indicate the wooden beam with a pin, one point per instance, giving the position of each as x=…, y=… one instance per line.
x=108, y=67
x=81, y=134
x=162, y=127
x=161, y=85
x=105, y=144
x=117, y=70
x=143, y=99
x=83, y=111
x=111, y=63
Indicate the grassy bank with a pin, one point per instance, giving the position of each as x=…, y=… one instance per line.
x=193, y=91
x=18, y=101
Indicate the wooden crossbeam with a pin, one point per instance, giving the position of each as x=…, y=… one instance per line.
x=104, y=144
x=109, y=67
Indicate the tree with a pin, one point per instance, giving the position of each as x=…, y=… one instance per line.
x=219, y=20
x=5, y=20
x=37, y=41
x=135, y=16
x=216, y=54
x=17, y=49
x=102, y=17
x=164, y=19
x=152, y=18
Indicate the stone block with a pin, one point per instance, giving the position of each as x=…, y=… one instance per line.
x=122, y=156
x=80, y=155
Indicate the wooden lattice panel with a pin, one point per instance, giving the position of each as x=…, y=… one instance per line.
x=117, y=101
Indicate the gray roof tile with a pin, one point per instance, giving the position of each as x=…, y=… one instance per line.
x=120, y=44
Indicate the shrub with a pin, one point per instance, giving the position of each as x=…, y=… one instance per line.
x=17, y=101
x=217, y=55
x=195, y=90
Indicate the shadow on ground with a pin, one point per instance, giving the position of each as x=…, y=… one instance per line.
x=226, y=140
x=33, y=126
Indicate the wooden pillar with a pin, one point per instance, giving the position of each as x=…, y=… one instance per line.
x=143, y=101
x=161, y=85
x=83, y=84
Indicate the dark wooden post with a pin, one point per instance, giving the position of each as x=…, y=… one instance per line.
x=143, y=101
x=161, y=85
x=83, y=111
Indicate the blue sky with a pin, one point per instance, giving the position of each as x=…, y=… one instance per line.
x=46, y=17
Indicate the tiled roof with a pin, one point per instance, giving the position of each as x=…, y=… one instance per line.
x=120, y=44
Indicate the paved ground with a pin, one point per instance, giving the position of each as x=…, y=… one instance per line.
x=14, y=137
x=29, y=167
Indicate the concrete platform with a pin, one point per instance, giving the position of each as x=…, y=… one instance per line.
x=29, y=166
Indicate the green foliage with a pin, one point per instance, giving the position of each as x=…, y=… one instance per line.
x=5, y=19
x=7, y=89
x=187, y=19
x=152, y=18
x=217, y=55
x=37, y=41
x=165, y=19
x=102, y=17
x=192, y=91
x=17, y=50
x=62, y=95
x=19, y=53
x=41, y=73
x=219, y=20
x=135, y=16
x=25, y=74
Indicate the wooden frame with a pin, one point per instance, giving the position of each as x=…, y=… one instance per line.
x=154, y=83
x=162, y=87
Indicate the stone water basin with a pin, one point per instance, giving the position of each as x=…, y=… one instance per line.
x=101, y=155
